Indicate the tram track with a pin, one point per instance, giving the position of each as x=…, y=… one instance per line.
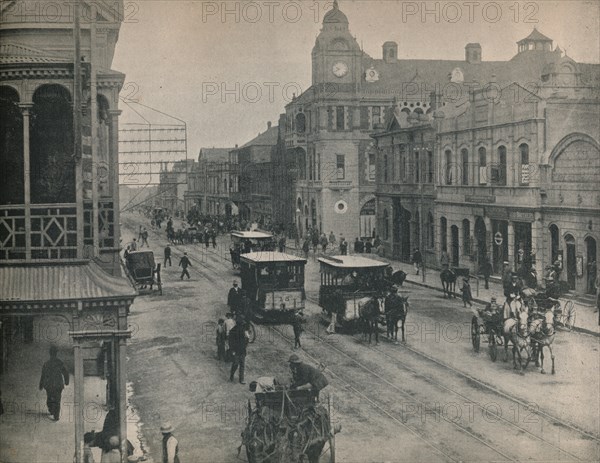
x=217, y=263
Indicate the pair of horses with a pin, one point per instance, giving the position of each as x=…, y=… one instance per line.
x=396, y=309
x=527, y=337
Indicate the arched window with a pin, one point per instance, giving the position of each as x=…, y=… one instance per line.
x=386, y=224
x=12, y=189
x=448, y=166
x=499, y=169
x=524, y=154
x=225, y=185
x=554, y=242
x=385, y=168
x=466, y=238
x=300, y=123
x=464, y=153
x=482, y=154
x=51, y=146
x=431, y=231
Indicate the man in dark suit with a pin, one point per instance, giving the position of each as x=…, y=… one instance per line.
x=54, y=378
x=234, y=298
x=238, y=341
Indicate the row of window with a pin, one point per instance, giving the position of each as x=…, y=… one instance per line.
x=339, y=119
x=411, y=166
x=315, y=170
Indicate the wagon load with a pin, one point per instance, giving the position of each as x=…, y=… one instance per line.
x=287, y=426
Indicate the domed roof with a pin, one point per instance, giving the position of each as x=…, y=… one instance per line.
x=335, y=15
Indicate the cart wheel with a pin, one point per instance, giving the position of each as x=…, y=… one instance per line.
x=252, y=332
x=569, y=315
x=493, y=347
x=475, y=335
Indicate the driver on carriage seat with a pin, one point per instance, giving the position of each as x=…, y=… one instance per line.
x=305, y=377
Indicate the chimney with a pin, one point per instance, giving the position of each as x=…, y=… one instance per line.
x=390, y=52
x=473, y=53
x=268, y=125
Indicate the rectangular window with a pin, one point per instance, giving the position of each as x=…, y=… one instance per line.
x=376, y=112
x=340, y=121
x=417, y=167
x=341, y=166
x=429, y=167
x=524, y=151
x=318, y=173
x=371, y=167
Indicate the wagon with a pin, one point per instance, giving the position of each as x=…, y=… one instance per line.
x=273, y=283
x=487, y=324
x=143, y=271
x=288, y=426
x=347, y=282
x=564, y=315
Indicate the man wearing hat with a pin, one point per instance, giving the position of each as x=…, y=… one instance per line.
x=513, y=288
x=238, y=341
x=184, y=263
x=234, y=298
x=54, y=378
x=170, y=445
x=305, y=377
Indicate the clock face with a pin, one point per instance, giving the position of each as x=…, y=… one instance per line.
x=340, y=69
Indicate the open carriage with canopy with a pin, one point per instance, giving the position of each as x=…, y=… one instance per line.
x=349, y=282
x=273, y=285
x=288, y=426
x=244, y=242
x=143, y=272
x=488, y=324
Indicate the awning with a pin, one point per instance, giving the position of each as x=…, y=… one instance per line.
x=31, y=285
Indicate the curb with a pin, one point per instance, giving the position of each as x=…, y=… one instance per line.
x=481, y=301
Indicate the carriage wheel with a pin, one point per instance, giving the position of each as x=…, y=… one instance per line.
x=252, y=332
x=493, y=347
x=569, y=315
x=475, y=334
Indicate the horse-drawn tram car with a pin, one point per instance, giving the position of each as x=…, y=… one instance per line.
x=273, y=283
x=288, y=426
x=349, y=282
x=244, y=242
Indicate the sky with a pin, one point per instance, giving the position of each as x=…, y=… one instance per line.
x=226, y=68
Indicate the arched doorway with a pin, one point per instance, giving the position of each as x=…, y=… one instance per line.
x=443, y=234
x=592, y=264
x=481, y=240
x=367, y=218
x=571, y=265
x=454, y=252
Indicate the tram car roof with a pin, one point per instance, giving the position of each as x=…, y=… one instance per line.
x=270, y=256
x=351, y=262
x=255, y=235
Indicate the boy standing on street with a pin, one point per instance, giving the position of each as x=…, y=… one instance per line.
x=297, y=326
x=221, y=337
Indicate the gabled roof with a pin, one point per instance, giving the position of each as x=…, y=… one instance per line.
x=214, y=154
x=535, y=36
x=267, y=138
x=70, y=281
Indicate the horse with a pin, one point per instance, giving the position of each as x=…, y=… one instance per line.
x=542, y=335
x=517, y=331
x=369, y=319
x=395, y=311
x=448, y=278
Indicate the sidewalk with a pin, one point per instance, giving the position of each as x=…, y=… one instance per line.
x=27, y=434
x=586, y=320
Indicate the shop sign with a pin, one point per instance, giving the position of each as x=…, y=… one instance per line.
x=521, y=216
x=498, y=239
x=500, y=213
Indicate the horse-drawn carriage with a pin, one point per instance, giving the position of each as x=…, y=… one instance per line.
x=349, y=283
x=273, y=286
x=288, y=426
x=143, y=272
x=244, y=242
x=543, y=301
x=488, y=323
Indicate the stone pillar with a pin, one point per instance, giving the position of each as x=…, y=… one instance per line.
x=356, y=118
x=537, y=244
x=122, y=395
x=78, y=385
x=511, y=245
x=26, y=108
x=461, y=250
x=489, y=239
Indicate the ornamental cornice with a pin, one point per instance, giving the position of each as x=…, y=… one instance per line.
x=33, y=73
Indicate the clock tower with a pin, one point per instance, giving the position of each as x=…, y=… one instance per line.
x=336, y=56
